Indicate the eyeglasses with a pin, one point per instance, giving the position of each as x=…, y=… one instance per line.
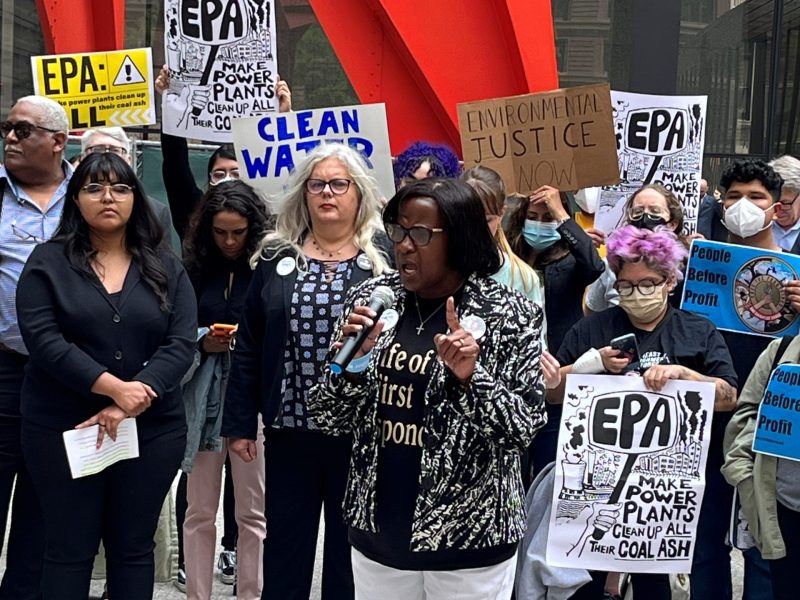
x=792, y=201
x=22, y=129
x=97, y=191
x=638, y=212
x=219, y=175
x=24, y=235
x=103, y=148
x=419, y=234
x=646, y=287
x=337, y=186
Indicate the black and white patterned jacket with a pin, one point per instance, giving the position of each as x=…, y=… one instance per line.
x=470, y=490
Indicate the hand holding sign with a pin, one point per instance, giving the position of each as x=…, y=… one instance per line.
x=458, y=349
x=793, y=294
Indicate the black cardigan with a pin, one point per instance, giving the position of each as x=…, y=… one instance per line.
x=257, y=368
x=74, y=332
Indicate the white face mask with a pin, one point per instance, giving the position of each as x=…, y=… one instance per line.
x=588, y=199
x=744, y=219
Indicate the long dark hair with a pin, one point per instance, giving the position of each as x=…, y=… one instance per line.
x=470, y=246
x=144, y=235
x=199, y=248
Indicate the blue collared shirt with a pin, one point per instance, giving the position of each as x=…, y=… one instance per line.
x=23, y=225
x=785, y=238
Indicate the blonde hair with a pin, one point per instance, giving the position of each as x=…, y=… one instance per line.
x=294, y=221
x=490, y=188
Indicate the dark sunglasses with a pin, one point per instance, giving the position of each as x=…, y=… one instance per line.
x=419, y=234
x=22, y=129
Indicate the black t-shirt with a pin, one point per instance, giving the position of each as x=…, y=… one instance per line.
x=221, y=291
x=404, y=370
x=682, y=338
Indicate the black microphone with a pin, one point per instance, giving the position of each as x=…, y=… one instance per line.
x=382, y=298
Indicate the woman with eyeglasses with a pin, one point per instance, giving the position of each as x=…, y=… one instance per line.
x=650, y=207
x=328, y=237
x=672, y=344
x=109, y=317
x=443, y=397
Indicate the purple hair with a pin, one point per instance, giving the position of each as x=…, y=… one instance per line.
x=659, y=250
x=444, y=162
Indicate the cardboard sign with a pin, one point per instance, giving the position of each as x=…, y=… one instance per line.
x=659, y=140
x=562, y=138
x=99, y=89
x=741, y=289
x=269, y=147
x=778, y=422
x=629, y=474
x=222, y=62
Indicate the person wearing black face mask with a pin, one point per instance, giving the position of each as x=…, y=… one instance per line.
x=650, y=207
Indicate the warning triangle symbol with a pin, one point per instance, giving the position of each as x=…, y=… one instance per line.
x=128, y=73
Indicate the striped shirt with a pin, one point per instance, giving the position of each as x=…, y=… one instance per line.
x=23, y=225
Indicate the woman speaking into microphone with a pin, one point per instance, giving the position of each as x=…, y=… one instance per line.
x=441, y=399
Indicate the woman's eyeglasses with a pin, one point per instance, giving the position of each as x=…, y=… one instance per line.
x=419, y=234
x=104, y=148
x=219, y=175
x=22, y=129
x=337, y=186
x=97, y=191
x=646, y=287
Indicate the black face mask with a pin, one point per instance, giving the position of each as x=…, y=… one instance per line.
x=650, y=222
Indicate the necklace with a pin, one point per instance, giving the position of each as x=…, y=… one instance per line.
x=330, y=253
x=422, y=321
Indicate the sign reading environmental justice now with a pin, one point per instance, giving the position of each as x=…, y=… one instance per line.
x=98, y=89
x=778, y=422
x=564, y=138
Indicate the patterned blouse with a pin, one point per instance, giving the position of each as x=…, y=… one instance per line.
x=317, y=304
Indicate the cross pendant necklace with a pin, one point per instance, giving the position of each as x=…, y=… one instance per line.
x=422, y=321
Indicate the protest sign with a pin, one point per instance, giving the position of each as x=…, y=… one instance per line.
x=739, y=288
x=269, y=147
x=98, y=89
x=562, y=138
x=222, y=64
x=659, y=140
x=629, y=474
x=778, y=422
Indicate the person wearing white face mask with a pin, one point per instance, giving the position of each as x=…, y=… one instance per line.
x=543, y=233
x=672, y=344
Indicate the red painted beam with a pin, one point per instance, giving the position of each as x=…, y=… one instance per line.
x=423, y=58
x=82, y=25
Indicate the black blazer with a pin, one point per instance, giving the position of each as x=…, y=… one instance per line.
x=257, y=369
x=74, y=332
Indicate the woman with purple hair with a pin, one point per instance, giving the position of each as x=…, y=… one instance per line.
x=672, y=344
x=422, y=160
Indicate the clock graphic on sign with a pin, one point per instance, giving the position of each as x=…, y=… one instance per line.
x=760, y=298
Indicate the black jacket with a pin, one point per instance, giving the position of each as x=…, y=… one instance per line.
x=74, y=333
x=565, y=281
x=257, y=370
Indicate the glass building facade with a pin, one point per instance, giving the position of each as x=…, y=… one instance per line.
x=743, y=54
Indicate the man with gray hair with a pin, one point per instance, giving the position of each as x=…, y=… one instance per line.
x=114, y=139
x=786, y=226
x=33, y=184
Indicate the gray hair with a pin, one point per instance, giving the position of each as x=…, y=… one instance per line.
x=294, y=220
x=53, y=114
x=117, y=133
x=788, y=167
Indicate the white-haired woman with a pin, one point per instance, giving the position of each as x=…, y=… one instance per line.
x=328, y=237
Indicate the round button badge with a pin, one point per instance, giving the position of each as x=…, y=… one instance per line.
x=475, y=325
x=389, y=318
x=285, y=266
x=364, y=262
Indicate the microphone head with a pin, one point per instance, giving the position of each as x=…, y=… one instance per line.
x=384, y=295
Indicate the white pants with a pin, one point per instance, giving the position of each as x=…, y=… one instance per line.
x=375, y=581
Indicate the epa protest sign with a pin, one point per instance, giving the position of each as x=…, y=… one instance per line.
x=659, y=140
x=778, y=423
x=629, y=474
x=562, y=138
x=222, y=64
x=740, y=288
x=268, y=147
x=98, y=89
